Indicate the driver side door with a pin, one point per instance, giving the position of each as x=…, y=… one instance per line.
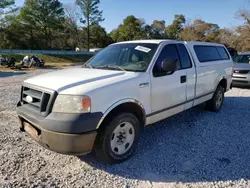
x=168, y=91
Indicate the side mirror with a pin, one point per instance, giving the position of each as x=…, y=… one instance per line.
x=169, y=65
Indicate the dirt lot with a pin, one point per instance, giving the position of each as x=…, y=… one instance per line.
x=194, y=149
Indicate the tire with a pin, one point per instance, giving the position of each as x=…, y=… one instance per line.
x=217, y=101
x=117, y=139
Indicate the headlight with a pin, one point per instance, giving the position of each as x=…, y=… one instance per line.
x=72, y=104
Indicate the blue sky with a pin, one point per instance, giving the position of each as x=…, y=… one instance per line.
x=221, y=12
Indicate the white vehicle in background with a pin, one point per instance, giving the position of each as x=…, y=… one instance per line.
x=95, y=49
x=32, y=61
x=104, y=105
x=25, y=61
x=241, y=76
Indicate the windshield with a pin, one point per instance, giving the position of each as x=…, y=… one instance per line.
x=128, y=56
x=242, y=59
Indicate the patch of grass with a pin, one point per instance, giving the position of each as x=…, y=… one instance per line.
x=60, y=64
x=67, y=58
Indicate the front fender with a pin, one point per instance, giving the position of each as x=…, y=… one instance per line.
x=123, y=101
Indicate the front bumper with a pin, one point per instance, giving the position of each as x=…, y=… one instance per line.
x=63, y=133
x=241, y=79
x=72, y=144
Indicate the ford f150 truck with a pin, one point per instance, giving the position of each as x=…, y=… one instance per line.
x=104, y=105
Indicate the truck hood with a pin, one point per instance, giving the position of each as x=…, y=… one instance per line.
x=67, y=78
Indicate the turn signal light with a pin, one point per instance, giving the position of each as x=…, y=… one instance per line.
x=86, y=102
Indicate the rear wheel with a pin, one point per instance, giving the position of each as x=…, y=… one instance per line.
x=217, y=101
x=117, y=140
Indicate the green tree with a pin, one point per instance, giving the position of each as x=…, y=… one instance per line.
x=44, y=17
x=130, y=29
x=173, y=31
x=12, y=36
x=147, y=32
x=6, y=3
x=98, y=39
x=99, y=36
x=6, y=8
x=91, y=13
x=71, y=26
x=114, y=34
x=157, y=29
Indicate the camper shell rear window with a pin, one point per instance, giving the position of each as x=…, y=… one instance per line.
x=211, y=53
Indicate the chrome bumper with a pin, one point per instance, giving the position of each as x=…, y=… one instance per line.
x=241, y=79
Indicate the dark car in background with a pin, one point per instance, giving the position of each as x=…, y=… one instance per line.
x=241, y=74
x=9, y=62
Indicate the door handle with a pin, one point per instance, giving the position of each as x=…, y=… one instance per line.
x=183, y=79
x=146, y=84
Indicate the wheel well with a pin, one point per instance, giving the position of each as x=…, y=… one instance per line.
x=223, y=83
x=128, y=107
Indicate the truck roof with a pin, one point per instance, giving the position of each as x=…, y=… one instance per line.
x=158, y=41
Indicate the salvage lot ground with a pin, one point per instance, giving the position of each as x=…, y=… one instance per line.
x=194, y=149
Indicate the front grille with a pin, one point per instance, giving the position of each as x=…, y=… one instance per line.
x=242, y=71
x=37, y=101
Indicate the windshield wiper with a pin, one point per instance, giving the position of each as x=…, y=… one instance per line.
x=116, y=67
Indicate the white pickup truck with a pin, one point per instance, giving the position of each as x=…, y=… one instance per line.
x=104, y=105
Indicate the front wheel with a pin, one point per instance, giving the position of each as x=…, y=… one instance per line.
x=118, y=139
x=217, y=101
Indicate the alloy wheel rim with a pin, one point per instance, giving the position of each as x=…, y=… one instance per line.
x=219, y=99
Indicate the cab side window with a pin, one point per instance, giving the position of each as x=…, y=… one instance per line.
x=184, y=56
x=168, y=52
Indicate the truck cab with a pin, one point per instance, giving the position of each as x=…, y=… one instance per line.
x=104, y=105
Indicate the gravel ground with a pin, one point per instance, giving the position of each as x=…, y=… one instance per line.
x=193, y=149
